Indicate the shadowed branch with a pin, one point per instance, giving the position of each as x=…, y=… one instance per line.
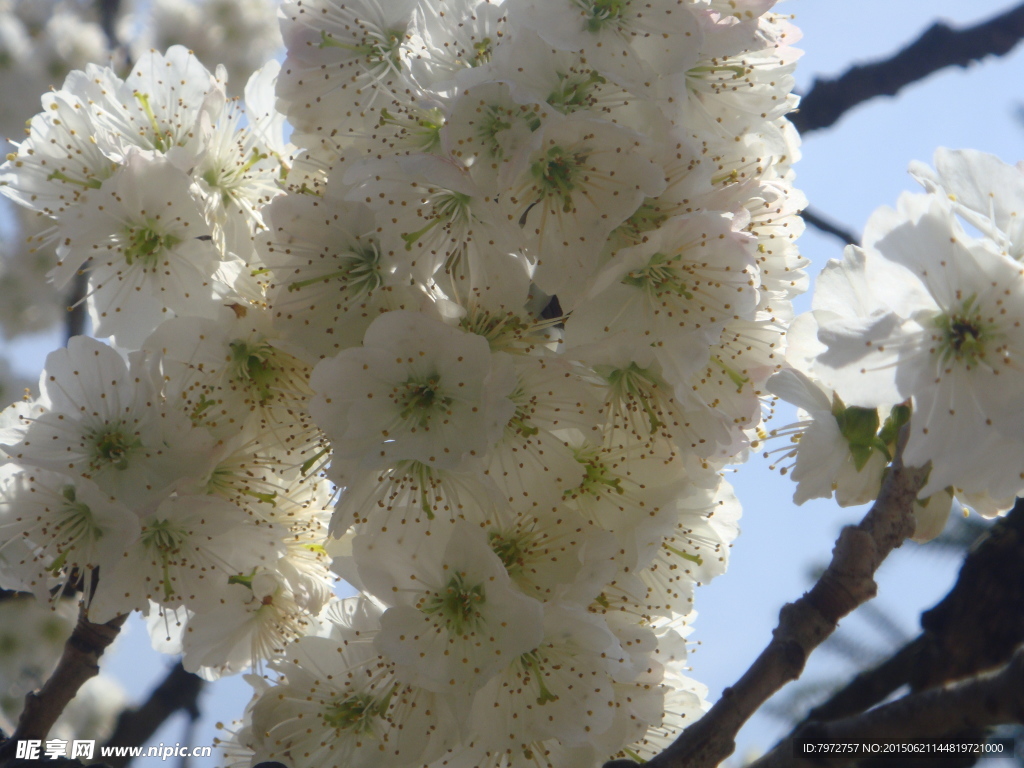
x=179, y=691
x=939, y=47
x=78, y=663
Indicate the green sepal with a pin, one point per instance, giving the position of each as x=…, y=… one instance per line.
x=898, y=416
x=859, y=427
x=244, y=579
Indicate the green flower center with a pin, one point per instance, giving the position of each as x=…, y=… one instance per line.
x=75, y=520
x=598, y=479
x=458, y=605
x=112, y=446
x=145, y=244
x=502, y=331
x=521, y=423
x=965, y=336
x=640, y=386
x=512, y=548
x=600, y=13
x=354, y=713
x=575, y=91
x=421, y=126
x=661, y=275
x=253, y=364
x=167, y=541
x=495, y=121
x=384, y=48
x=160, y=535
x=482, y=51
x=420, y=399
x=228, y=180
x=358, y=269
x=557, y=174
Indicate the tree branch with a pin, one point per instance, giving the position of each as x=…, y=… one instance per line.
x=108, y=10
x=804, y=624
x=179, y=691
x=975, y=627
x=981, y=621
x=78, y=663
x=826, y=225
x=939, y=47
x=994, y=698
x=74, y=322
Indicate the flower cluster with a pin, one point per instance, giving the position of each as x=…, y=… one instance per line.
x=496, y=322
x=41, y=42
x=162, y=473
x=924, y=322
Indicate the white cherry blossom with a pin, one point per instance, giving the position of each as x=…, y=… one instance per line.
x=105, y=422
x=837, y=447
x=67, y=523
x=946, y=332
x=340, y=704
x=584, y=179
x=628, y=40
x=416, y=390
x=146, y=246
x=328, y=280
x=458, y=620
x=344, y=62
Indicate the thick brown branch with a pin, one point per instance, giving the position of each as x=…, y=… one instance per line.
x=976, y=627
x=939, y=47
x=994, y=698
x=981, y=621
x=803, y=625
x=179, y=691
x=78, y=663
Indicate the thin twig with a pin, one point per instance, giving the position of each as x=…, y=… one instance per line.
x=78, y=663
x=108, y=10
x=993, y=698
x=939, y=47
x=829, y=227
x=74, y=322
x=804, y=624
